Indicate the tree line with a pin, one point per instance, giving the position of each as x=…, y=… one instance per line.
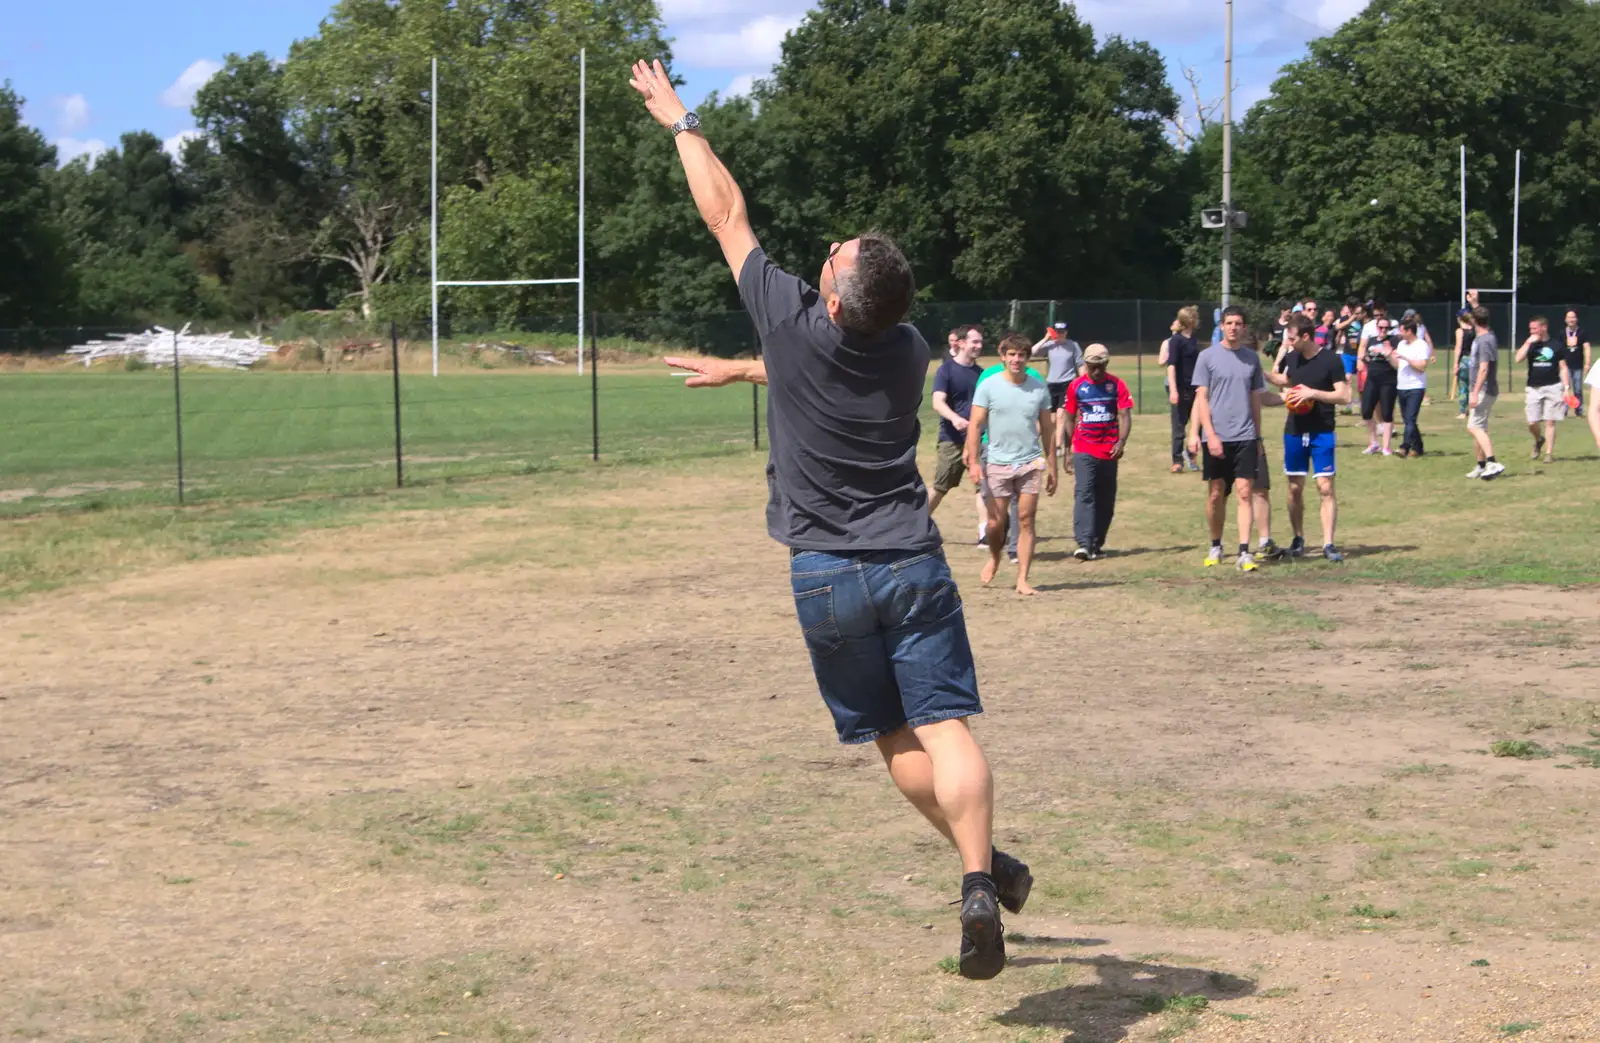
x=1010, y=153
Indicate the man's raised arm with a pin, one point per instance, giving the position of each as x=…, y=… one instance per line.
x=716, y=194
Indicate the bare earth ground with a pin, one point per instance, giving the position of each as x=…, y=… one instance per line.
x=559, y=771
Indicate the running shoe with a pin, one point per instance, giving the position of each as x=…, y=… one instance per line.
x=1012, y=558
x=1247, y=563
x=1297, y=547
x=1332, y=555
x=1193, y=467
x=1083, y=554
x=1370, y=450
x=1492, y=471
x=1177, y=468
x=1214, y=558
x=1549, y=458
x=983, y=942
x=1387, y=453
x=1269, y=550
x=1476, y=472
x=1403, y=453
x=1538, y=447
x=1012, y=881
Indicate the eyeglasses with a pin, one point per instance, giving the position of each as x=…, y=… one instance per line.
x=831, y=255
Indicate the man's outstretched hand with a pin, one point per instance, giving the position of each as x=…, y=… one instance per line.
x=651, y=80
x=711, y=373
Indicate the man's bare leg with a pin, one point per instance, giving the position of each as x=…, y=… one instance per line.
x=1480, y=441
x=1216, y=508
x=1297, y=504
x=1593, y=416
x=1027, y=510
x=995, y=534
x=1261, y=513
x=1550, y=438
x=1330, y=509
x=1244, y=490
x=941, y=770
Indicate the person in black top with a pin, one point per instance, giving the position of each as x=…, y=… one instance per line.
x=1182, y=351
x=954, y=383
x=1462, y=364
x=1549, y=384
x=1313, y=375
x=1580, y=355
x=1382, y=387
x=879, y=611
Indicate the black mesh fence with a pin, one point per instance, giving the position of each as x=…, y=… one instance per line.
x=331, y=406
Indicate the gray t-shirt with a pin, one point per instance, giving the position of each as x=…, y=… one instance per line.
x=1485, y=352
x=1231, y=380
x=1013, y=418
x=842, y=423
x=1066, y=358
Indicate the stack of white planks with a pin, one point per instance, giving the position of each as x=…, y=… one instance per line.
x=155, y=347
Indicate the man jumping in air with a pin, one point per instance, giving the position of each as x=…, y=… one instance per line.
x=879, y=611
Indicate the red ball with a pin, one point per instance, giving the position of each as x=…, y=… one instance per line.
x=1301, y=408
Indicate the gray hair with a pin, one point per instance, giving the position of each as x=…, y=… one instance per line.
x=875, y=294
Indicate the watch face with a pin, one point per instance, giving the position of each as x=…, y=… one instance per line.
x=691, y=121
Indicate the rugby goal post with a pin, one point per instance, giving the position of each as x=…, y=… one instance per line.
x=1516, y=241
x=583, y=103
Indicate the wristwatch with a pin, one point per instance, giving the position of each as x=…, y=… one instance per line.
x=690, y=121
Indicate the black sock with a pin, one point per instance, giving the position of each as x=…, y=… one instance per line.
x=1244, y=548
x=971, y=882
x=1490, y=460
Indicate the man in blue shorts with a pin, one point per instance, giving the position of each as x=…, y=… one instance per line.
x=879, y=611
x=1314, y=375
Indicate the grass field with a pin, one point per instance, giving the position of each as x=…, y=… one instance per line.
x=539, y=757
x=74, y=439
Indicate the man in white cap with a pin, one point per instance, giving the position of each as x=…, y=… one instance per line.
x=1099, y=418
x=1066, y=365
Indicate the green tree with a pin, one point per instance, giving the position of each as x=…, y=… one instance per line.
x=1362, y=138
x=35, y=276
x=1006, y=153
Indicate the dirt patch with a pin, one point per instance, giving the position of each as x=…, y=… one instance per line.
x=559, y=771
x=67, y=492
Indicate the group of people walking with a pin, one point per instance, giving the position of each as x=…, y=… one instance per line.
x=1010, y=429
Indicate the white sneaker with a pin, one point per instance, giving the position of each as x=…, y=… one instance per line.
x=1476, y=472
x=1247, y=563
x=1493, y=470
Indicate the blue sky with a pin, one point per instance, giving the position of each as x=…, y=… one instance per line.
x=93, y=69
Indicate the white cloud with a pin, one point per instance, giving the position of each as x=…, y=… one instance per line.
x=181, y=94
x=173, y=146
x=1334, y=13
x=71, y=112
x=754, y=44
x=70, y=148
x=687, y=10
x=741, y=86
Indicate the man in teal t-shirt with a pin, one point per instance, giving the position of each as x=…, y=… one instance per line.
x=1014, y=411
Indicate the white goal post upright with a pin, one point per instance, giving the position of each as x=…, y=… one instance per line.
x=1516, y=240
x=583, y=104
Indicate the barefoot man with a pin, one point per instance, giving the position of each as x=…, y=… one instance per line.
x=846, y=376
x=1015, y=408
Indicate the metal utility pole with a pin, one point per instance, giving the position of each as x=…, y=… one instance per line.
x=1227, y=160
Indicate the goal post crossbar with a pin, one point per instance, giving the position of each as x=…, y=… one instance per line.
x=438, y=283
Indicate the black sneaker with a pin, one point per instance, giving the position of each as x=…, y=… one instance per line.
x=1083, y=554
x=1269, y=551
x=1297, y=548
x=983, y=942
x=1012, y=881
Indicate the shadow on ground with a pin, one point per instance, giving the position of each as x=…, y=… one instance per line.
x=1127, y=993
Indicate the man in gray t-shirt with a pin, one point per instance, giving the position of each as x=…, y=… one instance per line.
x=1483, y=387
x=1066, y=365
x=1227, y=380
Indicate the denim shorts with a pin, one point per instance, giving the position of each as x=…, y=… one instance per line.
x=887, y=638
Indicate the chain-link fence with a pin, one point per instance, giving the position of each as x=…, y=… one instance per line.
x=325, y=406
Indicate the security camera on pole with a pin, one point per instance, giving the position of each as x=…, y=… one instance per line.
x=1226, y=217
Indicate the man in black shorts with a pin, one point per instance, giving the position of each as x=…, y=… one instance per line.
x=954, y=383
x=1227, y=408
x=846, y=375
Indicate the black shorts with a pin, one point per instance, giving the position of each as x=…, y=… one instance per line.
x=1058, y=396
x=1377, y=398
x=1238, y=460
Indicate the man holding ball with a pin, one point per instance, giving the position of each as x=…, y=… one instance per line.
x=1316, y=384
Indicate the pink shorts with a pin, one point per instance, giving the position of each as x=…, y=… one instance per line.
x=1004, y=483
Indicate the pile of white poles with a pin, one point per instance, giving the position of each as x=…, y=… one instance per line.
x=156, y=347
